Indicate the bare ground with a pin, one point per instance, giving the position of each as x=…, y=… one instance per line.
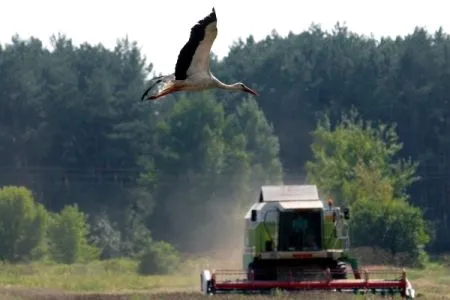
x=54, y=295
x=431, y=284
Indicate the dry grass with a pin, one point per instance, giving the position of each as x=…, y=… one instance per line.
x=433, y=282
x=112, y=276
x=45, y=295
x=117, y=279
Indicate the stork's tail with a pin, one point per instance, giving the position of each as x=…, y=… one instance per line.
x=157, y=85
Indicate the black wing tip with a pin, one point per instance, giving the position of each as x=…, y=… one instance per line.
x=210, y=18
x=206, y=20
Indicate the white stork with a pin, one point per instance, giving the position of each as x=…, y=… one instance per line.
x=192, y=68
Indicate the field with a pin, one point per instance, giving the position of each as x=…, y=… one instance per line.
x=117, y=279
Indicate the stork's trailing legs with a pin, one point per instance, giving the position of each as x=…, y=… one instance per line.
x=165, y=92
x=161, y=86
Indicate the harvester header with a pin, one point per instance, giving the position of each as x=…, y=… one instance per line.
x=293, y=240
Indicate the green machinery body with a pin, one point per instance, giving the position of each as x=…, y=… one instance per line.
x=290, y=226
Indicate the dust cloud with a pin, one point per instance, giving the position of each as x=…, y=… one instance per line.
x=222, y=236
x=205, y=221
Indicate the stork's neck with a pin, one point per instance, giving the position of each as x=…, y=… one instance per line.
x=221, y=85
x=233, y=86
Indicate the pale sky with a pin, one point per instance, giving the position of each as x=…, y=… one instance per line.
x=162, y=27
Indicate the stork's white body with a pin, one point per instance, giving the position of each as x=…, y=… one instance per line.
x=200, y=81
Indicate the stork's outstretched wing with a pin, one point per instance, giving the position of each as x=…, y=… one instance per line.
x=157, y=85
x=194, y=56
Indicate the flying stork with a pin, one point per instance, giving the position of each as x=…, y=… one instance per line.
x=192, y=68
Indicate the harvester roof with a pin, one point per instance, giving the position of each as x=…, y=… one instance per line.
x=287, y=197
x=289, y=193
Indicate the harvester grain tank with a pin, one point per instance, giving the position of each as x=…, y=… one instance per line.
x=294, y=240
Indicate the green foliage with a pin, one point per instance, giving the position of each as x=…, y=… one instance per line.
x=355, y=160
x=397, y=227
x=23, y=223
x=136, y=237
x=159, y=259
x=220, y=155
x=262, y=146
x=68, y=232
x=106, y=237
x=129, y=237
x=354, y=163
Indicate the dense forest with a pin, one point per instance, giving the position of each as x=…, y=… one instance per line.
x=182, y=169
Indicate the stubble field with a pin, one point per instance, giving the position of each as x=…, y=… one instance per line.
x=117, y=279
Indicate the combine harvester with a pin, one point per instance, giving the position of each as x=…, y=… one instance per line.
x=295, y=242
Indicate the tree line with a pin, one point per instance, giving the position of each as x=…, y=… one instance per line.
x=182, y=169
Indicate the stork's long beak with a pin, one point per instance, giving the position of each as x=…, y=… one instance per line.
x=249, y=90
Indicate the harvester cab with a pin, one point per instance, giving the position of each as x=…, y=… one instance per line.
x=293, y=240
x=291, y=229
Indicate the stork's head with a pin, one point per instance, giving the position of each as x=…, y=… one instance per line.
x=245, y=88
